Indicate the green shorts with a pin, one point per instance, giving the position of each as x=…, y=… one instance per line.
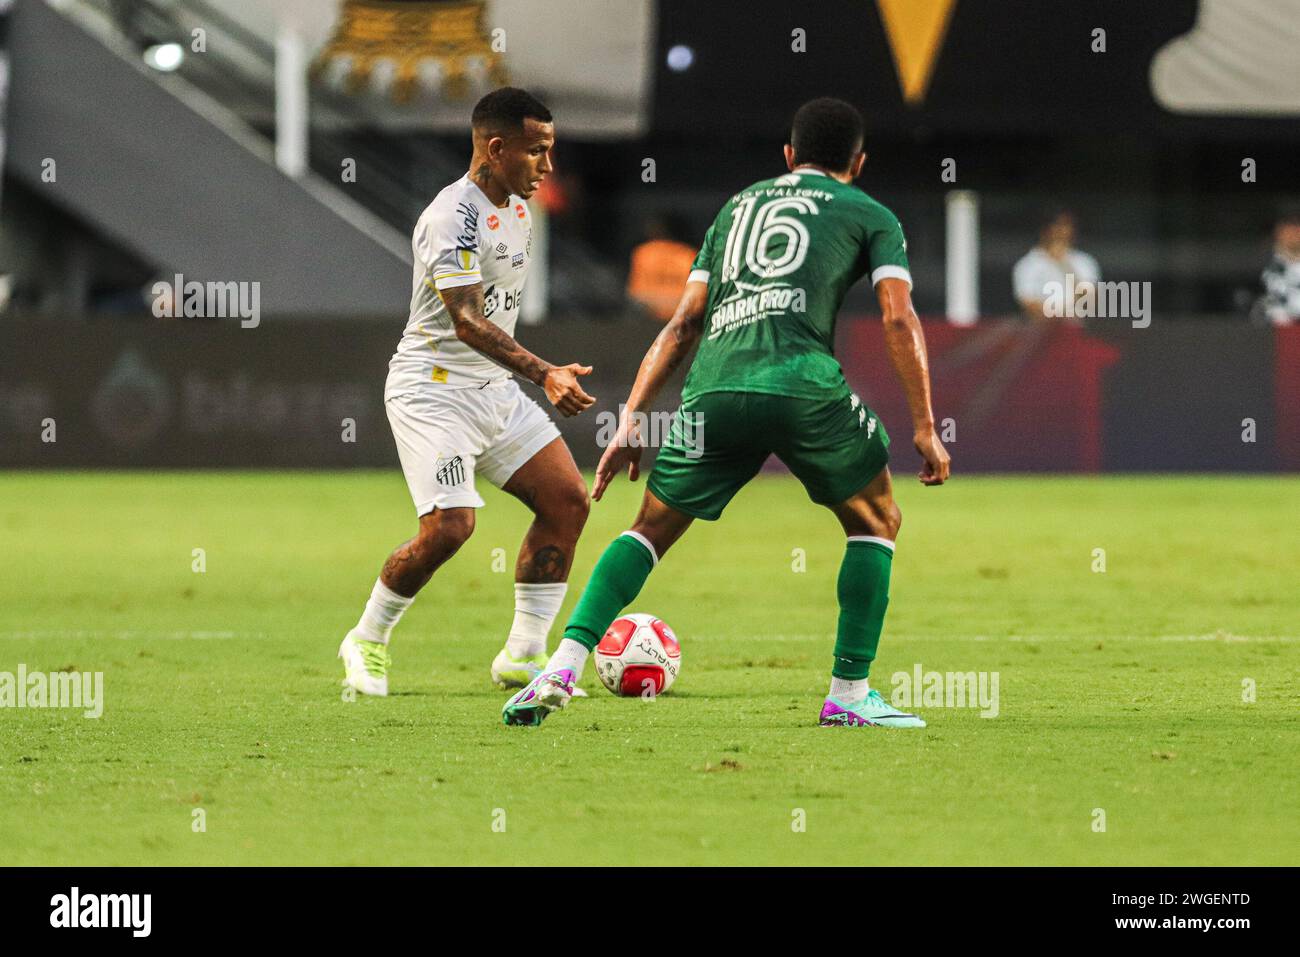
x=719, y=440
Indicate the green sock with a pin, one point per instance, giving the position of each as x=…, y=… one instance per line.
x=864, y=595
x=616, y=580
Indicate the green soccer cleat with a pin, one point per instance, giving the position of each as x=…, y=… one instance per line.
x=365, y=665
x=871, y=712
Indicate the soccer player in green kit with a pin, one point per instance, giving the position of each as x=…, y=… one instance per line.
x=761, y=302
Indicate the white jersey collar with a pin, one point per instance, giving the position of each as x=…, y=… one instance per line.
x=491, y=205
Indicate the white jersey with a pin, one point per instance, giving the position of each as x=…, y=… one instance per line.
x=460, y=239
x=1036, y=269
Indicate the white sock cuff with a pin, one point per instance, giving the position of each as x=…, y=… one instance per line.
x=654, y=557
x=542, y=599
x=848, y=689
x=568, y=654
x=873, y=538
x=389, y=598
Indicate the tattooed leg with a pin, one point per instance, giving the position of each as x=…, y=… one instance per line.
x=551, y=486
x=412, y=564
x=546, y=564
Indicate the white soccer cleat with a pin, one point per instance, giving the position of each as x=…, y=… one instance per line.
x=365, y=665
x=511, y=672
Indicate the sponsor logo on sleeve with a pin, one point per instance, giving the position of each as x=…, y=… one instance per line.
x=468, y=238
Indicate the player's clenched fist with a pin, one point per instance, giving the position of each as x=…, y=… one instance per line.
x=561, y=385
x=937, y=461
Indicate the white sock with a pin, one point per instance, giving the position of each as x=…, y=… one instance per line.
x=536, y=606
x=382, y=611
x=848, y=690
x=569, y=654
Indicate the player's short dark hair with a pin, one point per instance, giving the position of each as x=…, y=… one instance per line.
x=1051, y=215
x=827, y=132
x=504, y=111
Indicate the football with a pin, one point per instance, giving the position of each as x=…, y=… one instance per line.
x=638, y=656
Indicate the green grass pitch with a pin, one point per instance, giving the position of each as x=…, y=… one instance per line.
x=1120, y=690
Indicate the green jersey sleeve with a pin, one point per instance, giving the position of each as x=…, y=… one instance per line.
x=886, y=247
x=703, y=265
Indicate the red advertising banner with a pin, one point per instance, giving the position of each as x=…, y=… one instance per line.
x=1011, y=397
x=1286, y=395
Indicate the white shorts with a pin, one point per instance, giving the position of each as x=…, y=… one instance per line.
x=446, y=436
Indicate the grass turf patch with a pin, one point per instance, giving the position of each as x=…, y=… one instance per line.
x=1119, y=690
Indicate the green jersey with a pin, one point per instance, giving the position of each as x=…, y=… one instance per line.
x=778, y=259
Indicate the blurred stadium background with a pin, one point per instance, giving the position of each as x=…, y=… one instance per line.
x=293, y=144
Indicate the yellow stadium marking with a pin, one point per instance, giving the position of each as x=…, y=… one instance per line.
x=915, y=30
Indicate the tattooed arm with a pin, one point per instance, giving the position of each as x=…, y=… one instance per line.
x=465, y=306
x=671, y=346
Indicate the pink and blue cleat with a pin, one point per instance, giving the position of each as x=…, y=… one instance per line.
x=549, y=691
x=871, y=712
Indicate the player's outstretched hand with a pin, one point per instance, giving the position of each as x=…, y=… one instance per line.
x=937, y=462
x=561, y=385
x=625, y=449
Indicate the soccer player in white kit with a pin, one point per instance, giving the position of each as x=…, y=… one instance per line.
x=455, y=410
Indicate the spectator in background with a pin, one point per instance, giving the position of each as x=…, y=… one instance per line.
x=1280, y=303
x=660, y=266
x=1050, y=262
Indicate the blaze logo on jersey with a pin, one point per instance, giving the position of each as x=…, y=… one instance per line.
x=493, y=222
x=452, y=472
x=494, y=299
x=519, y=210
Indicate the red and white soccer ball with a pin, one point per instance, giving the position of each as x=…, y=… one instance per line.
x=639, y=655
